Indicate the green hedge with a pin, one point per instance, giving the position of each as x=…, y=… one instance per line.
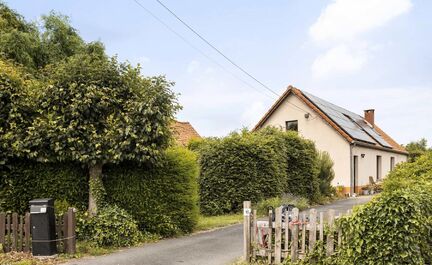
x=395, y=228
x=162, y=199
x=255, y=166
x=22, y=181
x=405, y=175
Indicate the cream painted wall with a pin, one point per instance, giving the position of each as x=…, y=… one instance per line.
x=326, y=138
x=368, y=164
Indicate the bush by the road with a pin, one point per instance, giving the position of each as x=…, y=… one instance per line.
x=163, y=199
x=256, y=166
x=112, y=226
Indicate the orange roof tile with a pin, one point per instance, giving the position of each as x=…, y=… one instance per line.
x=183, y=132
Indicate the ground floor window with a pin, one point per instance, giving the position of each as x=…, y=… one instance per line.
x=378, y=167
x=392, y=163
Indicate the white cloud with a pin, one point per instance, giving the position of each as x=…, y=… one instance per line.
x=340, y=28
x=339, y=60
x=343, y=20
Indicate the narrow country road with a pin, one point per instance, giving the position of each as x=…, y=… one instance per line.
x=218, y=247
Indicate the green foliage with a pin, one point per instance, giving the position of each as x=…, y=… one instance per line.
x=237, y=168
x=264, y=205
x=100, y=111
x=395, y=228
x=255, y=166
x=19, y=40
x=23, y=180
x=406, y=175
x=112, y=226
x=326, y=174
x=17, y=91
x=417, y=149
x=59, y=39
x=163, y=198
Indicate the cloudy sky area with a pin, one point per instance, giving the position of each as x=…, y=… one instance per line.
x=356, y=54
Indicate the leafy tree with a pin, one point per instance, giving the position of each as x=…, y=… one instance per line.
x=416, y=149
x=17, y=91
x=19, y=40
x=59, y=38
x=97, y=111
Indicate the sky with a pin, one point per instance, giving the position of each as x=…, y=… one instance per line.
x=356, y=54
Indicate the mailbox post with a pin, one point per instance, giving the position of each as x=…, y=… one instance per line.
x=42, y=220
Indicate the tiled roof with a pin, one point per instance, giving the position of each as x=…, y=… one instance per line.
x=349, y=125
x=183, y=132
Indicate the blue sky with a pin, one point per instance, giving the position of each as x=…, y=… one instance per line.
x=356, y=54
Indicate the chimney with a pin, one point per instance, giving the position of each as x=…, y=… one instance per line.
x=369, y=116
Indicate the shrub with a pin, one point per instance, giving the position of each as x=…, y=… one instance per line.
x=112, y=226
x=326, y=174
x=23, y=180
x=163, y=199
x=395, y=228
x=255, y=166
x=299, y=160
x=405, y=175
x=239, y=167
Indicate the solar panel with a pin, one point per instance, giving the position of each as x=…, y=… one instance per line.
x=352, y=123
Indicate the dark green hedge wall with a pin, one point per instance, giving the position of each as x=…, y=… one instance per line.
x=255, y=166
x=22, y=181
x=163, y=199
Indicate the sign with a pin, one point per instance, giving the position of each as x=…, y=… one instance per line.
x=246, y=211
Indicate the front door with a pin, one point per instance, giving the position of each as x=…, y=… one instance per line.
x=355, y=177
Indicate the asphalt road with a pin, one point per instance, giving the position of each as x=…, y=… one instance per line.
x=218, y=247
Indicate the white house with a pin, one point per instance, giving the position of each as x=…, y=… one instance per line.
x=358, y=147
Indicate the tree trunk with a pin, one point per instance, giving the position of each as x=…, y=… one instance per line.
x=95, y=188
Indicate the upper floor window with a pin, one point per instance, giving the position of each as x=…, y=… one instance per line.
x=291, y=125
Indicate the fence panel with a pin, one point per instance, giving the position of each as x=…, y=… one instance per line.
x=289, y=235
x=15, y=233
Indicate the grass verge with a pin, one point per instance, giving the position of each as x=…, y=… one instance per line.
x=211, y=222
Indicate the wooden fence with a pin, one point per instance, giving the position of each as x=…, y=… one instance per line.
x=277, y=240
x=15, y=233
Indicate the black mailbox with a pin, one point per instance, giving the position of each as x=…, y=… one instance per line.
x=42, y=220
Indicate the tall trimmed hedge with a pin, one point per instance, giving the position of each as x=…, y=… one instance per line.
x=24, y=180
x=255, y=166
x=163, y=199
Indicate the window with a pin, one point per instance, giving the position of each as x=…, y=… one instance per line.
x=378, y=167
x=392, y=163
x=292, y=125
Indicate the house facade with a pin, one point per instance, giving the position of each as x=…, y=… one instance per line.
x=357, y=146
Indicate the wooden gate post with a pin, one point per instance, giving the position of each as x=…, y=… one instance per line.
x=312, y=228
x=295, y=235
x=330, y=237
x=278, y=236
x=71, y=223
x=246, y=231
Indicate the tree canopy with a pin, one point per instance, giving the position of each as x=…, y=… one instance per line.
x=417, y=149
x=62, y=99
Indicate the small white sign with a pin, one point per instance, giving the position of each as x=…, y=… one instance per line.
x=42, y=210
x=246, y=211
